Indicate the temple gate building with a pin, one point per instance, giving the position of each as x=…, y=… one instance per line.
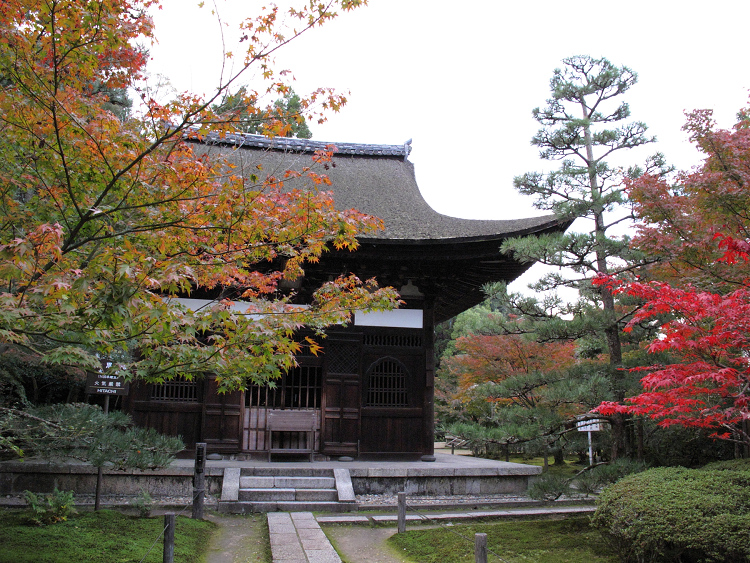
x=371, y=389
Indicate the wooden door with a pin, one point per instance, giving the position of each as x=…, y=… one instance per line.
x=393, y=391
x=341, y=395
x=222, y=419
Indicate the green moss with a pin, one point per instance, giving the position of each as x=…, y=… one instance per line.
x=99, y=537
x=541, y=541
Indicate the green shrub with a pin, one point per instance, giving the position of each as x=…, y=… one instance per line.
x=729, y=465
x=53, y=508
x=611, y=472
x=550, y=486
x=143, y=503
x=587, y=483
x=680, y=515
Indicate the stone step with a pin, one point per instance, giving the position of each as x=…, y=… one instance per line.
x=286, y=482
x=277, y=494
x=316, y=495
x=286, y=471
x=263, y=495
x=247, y=490
x=240, y=507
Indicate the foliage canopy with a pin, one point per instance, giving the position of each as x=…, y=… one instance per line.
x=103, y=221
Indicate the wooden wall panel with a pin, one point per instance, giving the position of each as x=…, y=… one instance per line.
x=389, y=431
x=182, y=420
x=254, y=432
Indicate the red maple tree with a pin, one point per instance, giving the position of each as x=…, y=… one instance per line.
x=698, y=228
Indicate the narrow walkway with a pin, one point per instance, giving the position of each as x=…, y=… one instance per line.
x=296, y=537
x=465, y=515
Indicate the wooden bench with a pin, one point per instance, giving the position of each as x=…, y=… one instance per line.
x=291, y=421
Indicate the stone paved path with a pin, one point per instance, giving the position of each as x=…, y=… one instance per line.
x=296, y=537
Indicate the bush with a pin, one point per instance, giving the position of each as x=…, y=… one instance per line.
x=143, y=503
x=611, y=472
x=677, y=515
x=686, y=447
x=587, y=483
x=52, y=508
x=550, y=486
x=729, y=465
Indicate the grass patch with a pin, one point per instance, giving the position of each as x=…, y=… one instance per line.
x=99, y=537
x=568, y=469
x=543, y=541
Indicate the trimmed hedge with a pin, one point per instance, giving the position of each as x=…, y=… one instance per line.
x=673, y=514
x=729, y=465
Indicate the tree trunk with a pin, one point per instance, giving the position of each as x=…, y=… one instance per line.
x=98, y=493
x=639, y=438
x=612, y=330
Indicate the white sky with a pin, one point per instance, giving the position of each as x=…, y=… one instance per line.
x=461, y=81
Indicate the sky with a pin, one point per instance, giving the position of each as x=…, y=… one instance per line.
x=461, y=82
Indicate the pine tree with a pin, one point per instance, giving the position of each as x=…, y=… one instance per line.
x=584, y=124
x=242, y=111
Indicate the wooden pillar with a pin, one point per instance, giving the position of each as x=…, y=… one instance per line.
x=429, y=392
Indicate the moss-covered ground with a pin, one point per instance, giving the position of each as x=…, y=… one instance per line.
x=540, y=541
x=99, y=537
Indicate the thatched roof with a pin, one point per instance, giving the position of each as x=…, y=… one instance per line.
x=374, y=179
x=450, y=259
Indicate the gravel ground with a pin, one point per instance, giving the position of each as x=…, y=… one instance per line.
x=388, y=500
x=384, y=502
x=160, y=504
x=365, y=501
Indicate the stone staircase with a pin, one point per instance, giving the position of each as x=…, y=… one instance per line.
x=279, y=489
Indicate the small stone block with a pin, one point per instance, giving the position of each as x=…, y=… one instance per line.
x=307, y=524
x=282, y=538
x=311, y=533
x=290, y=551
x=298, y=517
x=315, y=543
x=322, y=556
x=344, y=485
x=230, y=488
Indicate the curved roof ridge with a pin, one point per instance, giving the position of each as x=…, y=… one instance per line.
x=307, y=145
x=377, y=184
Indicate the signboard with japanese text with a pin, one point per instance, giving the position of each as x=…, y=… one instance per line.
x=103, y=384
x=590, y=425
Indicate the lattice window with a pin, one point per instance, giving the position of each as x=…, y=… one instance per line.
x=343, y=357
x=299, y=388
x=387, y=384
x=178, y=390
x=398, y=340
